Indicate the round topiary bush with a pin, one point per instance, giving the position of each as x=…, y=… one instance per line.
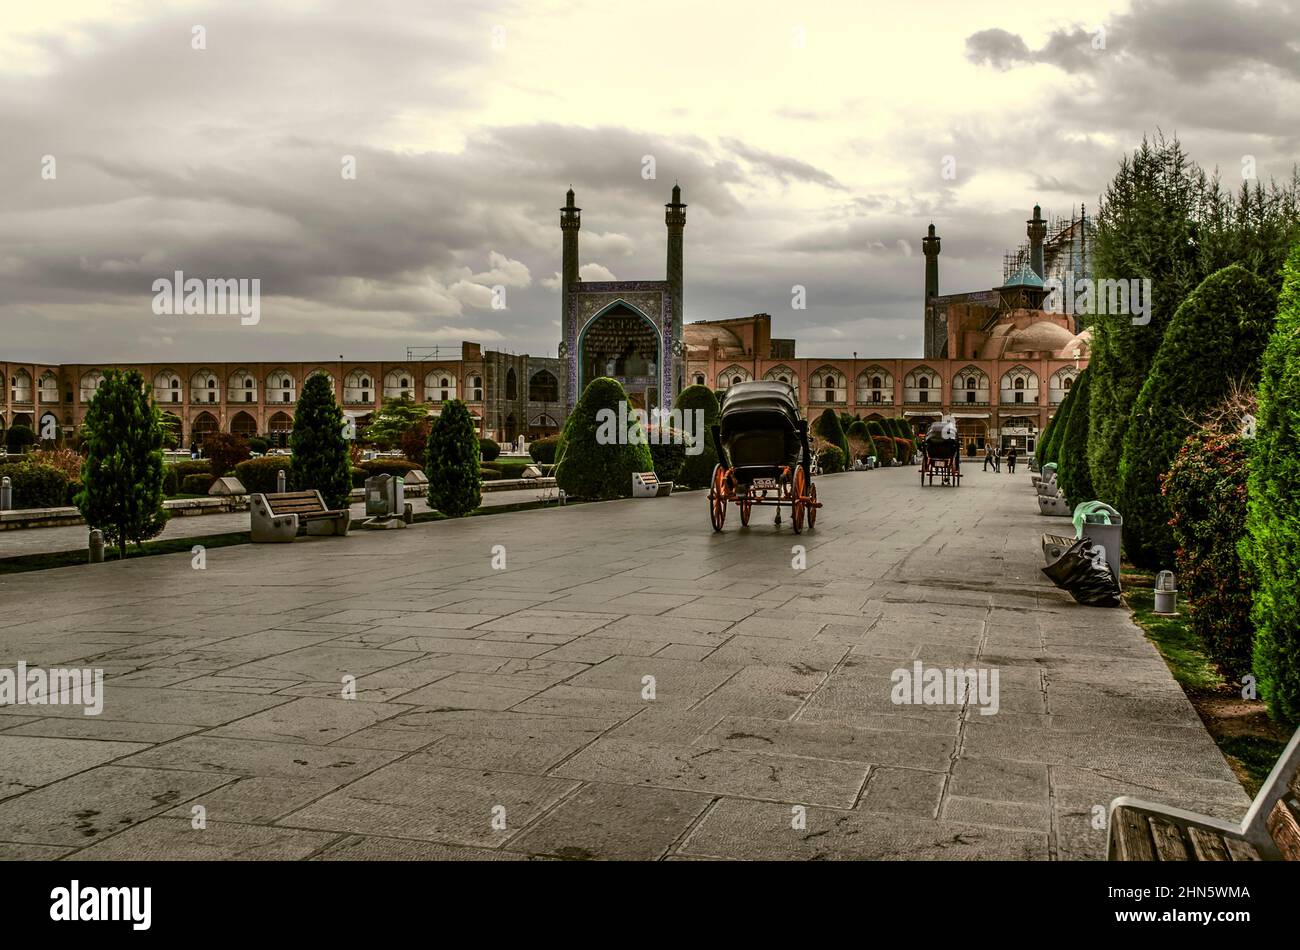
x=668, y=451
x=452, y=462
x=19, y=437
x=829, y=428
x=831, y=460
x=885, y=449
x=320, y=452
x=697, y=470
x=543, y=450
x=598, y=460
x=259, y=444
x=490, y=449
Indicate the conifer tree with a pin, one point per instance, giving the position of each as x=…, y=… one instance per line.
x=452, y=462
x=122, y=475
x=320, y=451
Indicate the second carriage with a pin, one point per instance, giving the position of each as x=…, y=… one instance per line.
x=763, y=455
x=941, y=454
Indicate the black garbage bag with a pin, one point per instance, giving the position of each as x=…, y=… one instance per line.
x=1082, y=572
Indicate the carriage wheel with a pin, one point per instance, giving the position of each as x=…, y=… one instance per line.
x=812, y=509
x=798, y=487
x=746, y=506
x=718, y=498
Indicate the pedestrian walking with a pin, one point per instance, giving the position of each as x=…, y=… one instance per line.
x=1011, y=461
x=990, y=458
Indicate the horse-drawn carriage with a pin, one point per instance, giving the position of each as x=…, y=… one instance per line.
x=941, y=454
x=763, y=455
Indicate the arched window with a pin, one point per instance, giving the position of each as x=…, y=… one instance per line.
x=280, y=387
x=1068, y=383
x=476, y=388
x=543, y=387
x=397, y=384
x=512, y=384
x=357, y=390
x=699, y=379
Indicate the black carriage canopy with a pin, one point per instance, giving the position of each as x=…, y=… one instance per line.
x=941, y=439
x=761, y=426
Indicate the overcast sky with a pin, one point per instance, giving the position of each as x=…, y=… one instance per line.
x=809, y=142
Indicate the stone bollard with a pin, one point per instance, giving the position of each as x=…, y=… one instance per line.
x=562, y=496
x=279, y=481
x=96, y=547
x=6, y=494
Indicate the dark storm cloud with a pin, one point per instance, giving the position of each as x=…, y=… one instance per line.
x=1191, y=40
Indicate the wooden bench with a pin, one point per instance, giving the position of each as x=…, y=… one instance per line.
x=1140, y=831
x=278, y=516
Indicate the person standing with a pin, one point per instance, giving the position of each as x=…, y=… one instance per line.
x=989, y=458
x=1011, y=461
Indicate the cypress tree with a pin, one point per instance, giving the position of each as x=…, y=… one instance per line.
x=452, y=462
x=1215, y=338
x=1072, y=468
x=320, y=452
x=698, y=469
x=1059, y=422
x=598, y=461
x=1271, y=548
x=122, y=475
x=828, y=427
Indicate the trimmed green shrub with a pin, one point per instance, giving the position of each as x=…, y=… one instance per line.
x=191, y=467
x=452, y=462
x=1059, y=422
x=697, y=470
x=1216, y=337
x=543, y=450
x=513, y=469
x=858, y=430
x=489, y=449
x=668, y=451
x=196, y=484
x=259, y=444
x=1206, y=491
x=358, y=476
x=122, y=475
x=261, y=475
x=831, y=460
x=1271, y=548
x=598, y=461
x=19, y=437
x=70, y=493
x=400, y=467
x=36, y=486
x=1073, y=476
x=490, y=474
x=171, y=480
x=320, y=452
x=829, y=428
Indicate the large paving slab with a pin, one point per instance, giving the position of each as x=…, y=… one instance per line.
x=632, y=686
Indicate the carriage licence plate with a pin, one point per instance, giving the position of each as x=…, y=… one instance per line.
x=765, y=483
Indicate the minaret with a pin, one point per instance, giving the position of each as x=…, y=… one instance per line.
x=675, y=218
x=570, y=222
x=930, y=248
x=1037, y=230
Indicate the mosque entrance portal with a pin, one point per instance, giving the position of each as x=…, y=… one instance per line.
x=622, y=344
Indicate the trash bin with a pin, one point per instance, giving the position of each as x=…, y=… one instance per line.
x=1105, y=525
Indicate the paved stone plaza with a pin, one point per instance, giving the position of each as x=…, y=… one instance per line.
x=517, y=694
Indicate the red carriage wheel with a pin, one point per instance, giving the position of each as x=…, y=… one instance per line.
x=746, y=506
x=797, y=489
x=718, y=498
x=812, y=509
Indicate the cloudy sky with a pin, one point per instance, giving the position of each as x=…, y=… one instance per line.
x=810, y=142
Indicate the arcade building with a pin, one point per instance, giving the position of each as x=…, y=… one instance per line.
x=993, y=359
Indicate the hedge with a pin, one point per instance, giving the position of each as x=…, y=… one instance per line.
x=1206, y=490
x=400, y=467
x=260, y=474
x=1271, y=548
x=489, y=449
x=196, y=484
x=885, y=449
x=697, y=470
x=829, y=428
x=36, y=486
x=1215, y=337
